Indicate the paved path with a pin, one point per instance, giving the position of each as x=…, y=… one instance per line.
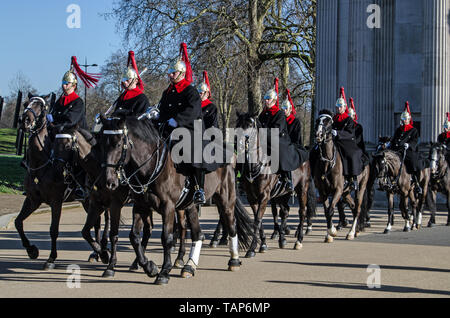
x=415, y=264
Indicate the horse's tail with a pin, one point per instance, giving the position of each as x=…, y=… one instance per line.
x=244, y=225
x=311, y=200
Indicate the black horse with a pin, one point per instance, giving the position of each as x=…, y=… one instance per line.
x=138, y=157
x=439, y=181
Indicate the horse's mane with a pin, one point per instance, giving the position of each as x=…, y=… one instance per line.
x=142, y=129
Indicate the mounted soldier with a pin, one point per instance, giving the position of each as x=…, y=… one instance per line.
x=405, y=141
x=180, y=107
x=444, y=137
x=133, y=101
x=209, y=109
x=344, y=132
x=69, y=112
x=272, y=117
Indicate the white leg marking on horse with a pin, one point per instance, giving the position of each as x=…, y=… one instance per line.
x=195, y=252
x=234, y=247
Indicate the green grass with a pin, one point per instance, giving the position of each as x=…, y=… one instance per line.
x=8, y=140
x=11, y=174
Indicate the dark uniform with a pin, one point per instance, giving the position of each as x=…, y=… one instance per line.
x=290, y=157
x=345, y=141
x=131, y=103
x=209, y=113
x=295, y=134
x=68, y=112
x=411, y=137
x=444, y=139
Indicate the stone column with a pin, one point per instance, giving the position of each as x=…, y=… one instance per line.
x=360, y=65
x=326, y=54
x=435, y=94
x=384, y=71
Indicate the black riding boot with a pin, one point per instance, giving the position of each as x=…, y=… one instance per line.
x=199, y=182
x=288, y=180
x=355, y=183
x=416, y=178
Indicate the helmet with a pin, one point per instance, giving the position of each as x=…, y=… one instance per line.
x=340, y=102
x=271, y=94
x=406, y=115
x=204, y=85
x=447, y=122
x=286, y=105
x=178, y=66
x=69, y=77
x=130, y=73
x=351, y=113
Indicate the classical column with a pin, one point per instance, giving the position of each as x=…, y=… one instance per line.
x=435, y=96
x=360, y=65
x=384, y=71
x=326, y=54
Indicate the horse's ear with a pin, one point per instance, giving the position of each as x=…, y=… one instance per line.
x=30, y=96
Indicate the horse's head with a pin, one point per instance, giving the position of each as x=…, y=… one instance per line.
x=324, y=124
x=437, y=157
x=33, y=117
x=115, y=143
x=380, y=164
x=247, y=136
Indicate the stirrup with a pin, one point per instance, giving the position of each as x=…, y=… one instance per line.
x=199, y=196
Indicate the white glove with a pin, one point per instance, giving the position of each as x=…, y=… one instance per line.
x=406, y=146
x=153, y=114
x=172, y=122
x=334, y=132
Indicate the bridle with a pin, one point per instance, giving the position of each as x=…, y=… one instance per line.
x=435, y=158
x=323, y=134
x=36, y=119
x=253, y=171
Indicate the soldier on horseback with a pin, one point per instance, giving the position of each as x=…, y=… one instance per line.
x=405, y=141
x=344, y=132
x=209, y=109
x=180, y=107
x=272, y=117
x=133, y=101
x=69, y=111
x=444, y=137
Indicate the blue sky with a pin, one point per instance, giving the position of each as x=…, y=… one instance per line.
x=35, y=40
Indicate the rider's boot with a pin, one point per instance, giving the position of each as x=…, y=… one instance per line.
x=199, y=181
x=288, y=181
x=416, y=178
x=355, y=185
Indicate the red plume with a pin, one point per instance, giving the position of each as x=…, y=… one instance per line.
x=342, y=94
x=448, y=116
x=408, y=110
x=89, y=79
x=352, y=105
x=185, y=59
x=293, y=112
x=206, y=80
x=132, y=61
x=276, y=90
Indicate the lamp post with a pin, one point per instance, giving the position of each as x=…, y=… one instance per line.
x=85, y=88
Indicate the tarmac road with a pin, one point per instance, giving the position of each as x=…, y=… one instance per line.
x=415, y=264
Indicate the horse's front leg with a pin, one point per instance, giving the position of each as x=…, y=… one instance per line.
x=302, y=200
x=342, y=219
x=353, y=207
x=284, y=213
x=431, y=200
x=276, y=226
x=54, y=232
x=190, y=268
x=113, y=238
x=168, y=216
x=390, y=222
x=179, y=262
x=28, y=207
x=95, y=210
x=414, y=217
x=405, y=211
x=331, y=230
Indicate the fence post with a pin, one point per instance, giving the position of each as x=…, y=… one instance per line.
x=1, y=106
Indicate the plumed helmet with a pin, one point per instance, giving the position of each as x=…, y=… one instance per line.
x=341, y=101
x=406, y=115
x=447, y=122
x=89, y=79
x=178, y=66
x=352, y=110
x=130, y=73
x=182, y=65
x=273, y=92
x=288, y=104
x=204, y=85
x=69, y=77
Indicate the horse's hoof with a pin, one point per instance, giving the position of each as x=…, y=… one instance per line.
x=104, y=256
x=179, y=263
x=162, y=280
x=338, y=227
x=406, y=229
x=234, y=265
x=282, y=243
x=274, y=235
x=33, y=252
x=329, y=239
x=298, y=246
x=350, y=237
x=151, y=269
x=308, y=231
x=263, y=248
x=287, y=230
x=188, y=271
x=213, y=244
x=250, y=254
x=386, y=231
x=135, y=266
x=49, y=266
x=109, y=273
x=430, y=224
x=93, y=257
